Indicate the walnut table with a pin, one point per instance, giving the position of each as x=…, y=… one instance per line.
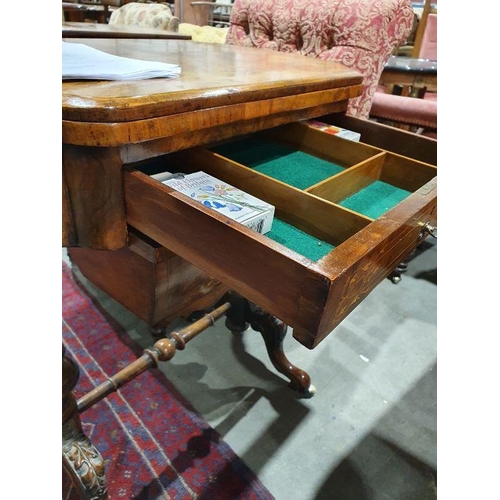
x=115, y=134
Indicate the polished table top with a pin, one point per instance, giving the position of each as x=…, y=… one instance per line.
x=220, y=84
x=101, y=30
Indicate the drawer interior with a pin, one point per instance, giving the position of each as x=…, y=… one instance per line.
x=327, y=249
x=324, y=188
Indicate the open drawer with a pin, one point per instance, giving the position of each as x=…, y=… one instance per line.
x=346, y=214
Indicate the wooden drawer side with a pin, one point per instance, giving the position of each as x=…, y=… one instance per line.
x=326, y=146
x=406, y=173
x=350, y=180
x=387, y=138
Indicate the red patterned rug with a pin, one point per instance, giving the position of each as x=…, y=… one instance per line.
x=155, y=445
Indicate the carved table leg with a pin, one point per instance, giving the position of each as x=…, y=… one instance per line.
x=273, y=331
x=81, y=460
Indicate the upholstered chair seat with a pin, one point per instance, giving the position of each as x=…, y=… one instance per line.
x=404, y=110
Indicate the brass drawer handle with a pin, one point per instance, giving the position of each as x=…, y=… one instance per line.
x=429, y=229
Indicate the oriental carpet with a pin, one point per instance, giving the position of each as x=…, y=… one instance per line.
x=154, y=444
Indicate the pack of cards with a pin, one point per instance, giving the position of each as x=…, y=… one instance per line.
x=226, y=199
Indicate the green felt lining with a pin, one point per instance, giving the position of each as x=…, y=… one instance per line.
x=299, y=241
x=303, y=170
x=281, y=162
x=375, y=199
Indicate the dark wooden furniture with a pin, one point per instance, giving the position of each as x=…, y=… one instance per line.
x=411, y=72
x=121, y=225
x=74, y=12
x=99, y=30
x=91, y=11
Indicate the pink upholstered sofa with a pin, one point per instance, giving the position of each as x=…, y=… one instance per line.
x=361, y=34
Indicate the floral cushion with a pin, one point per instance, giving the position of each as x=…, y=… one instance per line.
x=150, y=15
x=361, y=34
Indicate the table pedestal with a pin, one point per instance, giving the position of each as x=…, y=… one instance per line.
x=81, y=460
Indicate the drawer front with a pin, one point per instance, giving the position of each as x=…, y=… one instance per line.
x=349, y=250
x=242, y=259
x=358, y=265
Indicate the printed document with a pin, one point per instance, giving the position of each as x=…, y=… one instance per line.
x=81, y=62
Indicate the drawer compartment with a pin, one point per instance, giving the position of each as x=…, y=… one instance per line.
x=154, y=283
x=321, y=258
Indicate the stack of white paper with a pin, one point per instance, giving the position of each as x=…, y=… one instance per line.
x=81, y=62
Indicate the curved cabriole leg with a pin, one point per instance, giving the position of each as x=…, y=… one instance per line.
x=273, y=331
x=81, y=460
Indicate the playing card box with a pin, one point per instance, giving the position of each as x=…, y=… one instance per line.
x=226, y=199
